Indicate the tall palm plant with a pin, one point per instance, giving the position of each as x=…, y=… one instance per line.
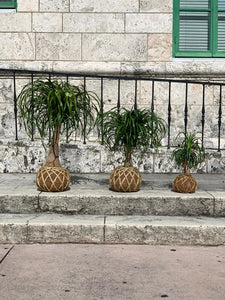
x=58, y=107
x=188, y=154
x=130, y=131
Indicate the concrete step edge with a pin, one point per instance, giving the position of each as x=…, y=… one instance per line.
x=101, y=202
x=160, y=230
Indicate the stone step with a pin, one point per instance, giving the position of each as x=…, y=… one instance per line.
x=89, y=194
x=161, y=230
x=106, y=202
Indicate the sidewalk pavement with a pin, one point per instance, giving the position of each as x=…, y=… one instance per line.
x=111, y=272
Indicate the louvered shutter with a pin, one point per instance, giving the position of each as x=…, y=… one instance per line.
x=221, y=26
x=194, y=27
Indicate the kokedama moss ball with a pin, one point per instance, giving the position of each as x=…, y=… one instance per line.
x=125, y=179
x=184, y=183
x=52, y=179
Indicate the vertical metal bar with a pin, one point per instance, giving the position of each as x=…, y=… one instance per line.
x=15, y=106
x=118, y=101
x=135, y=95
x=169, y=114
x=186, y=109
x=102, y=107
x=67, y=133
x=203, y=114
x=84, y=111
x=219, y=118
x=32, y=105
x=153, y=91
x=50, y=133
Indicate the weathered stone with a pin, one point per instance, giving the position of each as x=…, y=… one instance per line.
x=58, y=46
x=104, y=6
x=54, y=6
x=13, y=228
x=160, y=47
x=156, y=6
x=17, y=46
x=116, y=47
x=93, y=22
x=149, y=23
x=164, y=230
x=19, y=22
x=50, y=228
x=152, y=69
x=6, y=92
x=27, y=6
x=47, y=22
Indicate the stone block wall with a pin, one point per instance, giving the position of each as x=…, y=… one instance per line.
x=104, y=36
x=122, y=37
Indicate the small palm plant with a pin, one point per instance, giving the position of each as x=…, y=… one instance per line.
x=129, y=131
x=58, y=107
x=188, y=154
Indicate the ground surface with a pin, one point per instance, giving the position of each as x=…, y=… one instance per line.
x=120, y=272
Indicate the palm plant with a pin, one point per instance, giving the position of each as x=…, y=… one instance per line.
x=58, y=107
x=129, y=131
x=188, y=154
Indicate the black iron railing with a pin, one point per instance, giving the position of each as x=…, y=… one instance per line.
x=168, y=107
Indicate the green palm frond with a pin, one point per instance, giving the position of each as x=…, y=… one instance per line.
x=188, y=151
x=135, y=129
x=46, y=104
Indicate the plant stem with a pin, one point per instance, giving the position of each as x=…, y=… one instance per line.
x=53, y=155
x=128, y=158
x=186, y=170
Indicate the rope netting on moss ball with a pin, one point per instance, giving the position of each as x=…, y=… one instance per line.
x=125, y=179
x=52, y=179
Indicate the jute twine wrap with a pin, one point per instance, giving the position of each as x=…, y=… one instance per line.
x=125, y=179
x=52, y=179
x=185, y=184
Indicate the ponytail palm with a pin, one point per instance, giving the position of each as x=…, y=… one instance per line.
x=130, y=130
x=59, y=107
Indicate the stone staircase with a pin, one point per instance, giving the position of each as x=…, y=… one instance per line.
x=90, y=213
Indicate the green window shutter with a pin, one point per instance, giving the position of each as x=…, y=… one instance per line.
x=194, y=4
x=199, y=28
x=221, y=32
x=194, y=31
x=8, y=3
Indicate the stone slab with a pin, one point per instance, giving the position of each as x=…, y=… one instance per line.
x=13, y=228
x=144, y=202
x=152, y=230
x=104, y=6
x=165, y=230
x=55, y=228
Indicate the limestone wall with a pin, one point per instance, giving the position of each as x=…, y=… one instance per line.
x=104, y=36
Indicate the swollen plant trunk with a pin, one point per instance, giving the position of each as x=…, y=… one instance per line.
x=128, y=158
x=53, y=155
x=186, y=169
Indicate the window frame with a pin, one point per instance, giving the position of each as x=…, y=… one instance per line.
x=212, y=52
x=6, y=4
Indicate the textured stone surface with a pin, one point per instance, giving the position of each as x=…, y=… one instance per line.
x=27, y=6
x=160, y=47
x=58, y=46
x=54, y=5
x=47, y=22
x=156, y=6
x=115, y=47
x=165, y=230
x=19, y=22
x=104, y=6
x=17, y=46
x=93, y=22
x=149, y=23
x=58, y=228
